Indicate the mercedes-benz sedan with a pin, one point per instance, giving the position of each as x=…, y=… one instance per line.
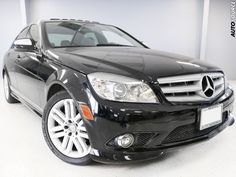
x=105, y=96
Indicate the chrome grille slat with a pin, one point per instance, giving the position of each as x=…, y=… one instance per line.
x=219, y=82
x=219, y=90
x=179, y=89
x=215, y=75
x=184, y=98
x=176, y=79
x=188, y=88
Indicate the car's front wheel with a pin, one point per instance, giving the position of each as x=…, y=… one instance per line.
x=64, y=130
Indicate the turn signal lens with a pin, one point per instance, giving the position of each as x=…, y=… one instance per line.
x=86, y=112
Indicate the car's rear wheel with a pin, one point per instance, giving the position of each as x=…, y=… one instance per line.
x=64, y=130
x=7, y=90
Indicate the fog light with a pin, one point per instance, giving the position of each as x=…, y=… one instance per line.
x=125, y=140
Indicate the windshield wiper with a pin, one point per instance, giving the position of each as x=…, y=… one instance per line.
x=119, y=45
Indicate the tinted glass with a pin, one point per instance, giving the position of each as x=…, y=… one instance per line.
x=23, y=33
x=34, y=33
x=66, y=34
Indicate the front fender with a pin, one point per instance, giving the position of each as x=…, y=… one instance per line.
x=75, y=83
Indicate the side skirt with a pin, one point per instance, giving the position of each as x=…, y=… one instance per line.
x=31, y=107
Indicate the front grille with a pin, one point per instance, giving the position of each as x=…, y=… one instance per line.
x=190, y=88
x=143, y=138
x=190, y=131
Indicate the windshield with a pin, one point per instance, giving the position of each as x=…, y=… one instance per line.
x=68, y=34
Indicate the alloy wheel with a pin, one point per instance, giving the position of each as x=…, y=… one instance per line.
x=67, y=131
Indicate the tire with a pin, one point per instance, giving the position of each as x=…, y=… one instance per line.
x=64, y=131
x=7, y=91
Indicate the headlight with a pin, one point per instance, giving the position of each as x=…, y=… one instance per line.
x=120, y=88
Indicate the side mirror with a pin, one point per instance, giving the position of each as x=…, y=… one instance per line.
x=27, y=44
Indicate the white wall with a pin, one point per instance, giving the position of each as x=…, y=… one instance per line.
x=11, y=24
x=221, y=46
x=173, y=25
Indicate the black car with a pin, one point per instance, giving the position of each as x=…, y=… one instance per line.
x=105, y=96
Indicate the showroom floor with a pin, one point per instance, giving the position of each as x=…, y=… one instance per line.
x=24, y=153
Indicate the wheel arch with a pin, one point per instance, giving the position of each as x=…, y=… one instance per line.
x=73, y=83
x=55, y=88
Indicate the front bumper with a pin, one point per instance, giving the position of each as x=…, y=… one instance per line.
x=157, y=128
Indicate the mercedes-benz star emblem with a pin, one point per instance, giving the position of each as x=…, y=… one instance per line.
x=208, y=87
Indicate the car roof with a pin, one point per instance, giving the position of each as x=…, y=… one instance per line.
x=72, y=20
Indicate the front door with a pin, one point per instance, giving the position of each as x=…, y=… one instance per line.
x=27, y=65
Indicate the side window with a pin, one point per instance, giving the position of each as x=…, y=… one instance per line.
x=34, y=33
x=23, y=33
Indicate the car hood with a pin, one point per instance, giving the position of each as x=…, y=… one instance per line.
x=140, y=63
